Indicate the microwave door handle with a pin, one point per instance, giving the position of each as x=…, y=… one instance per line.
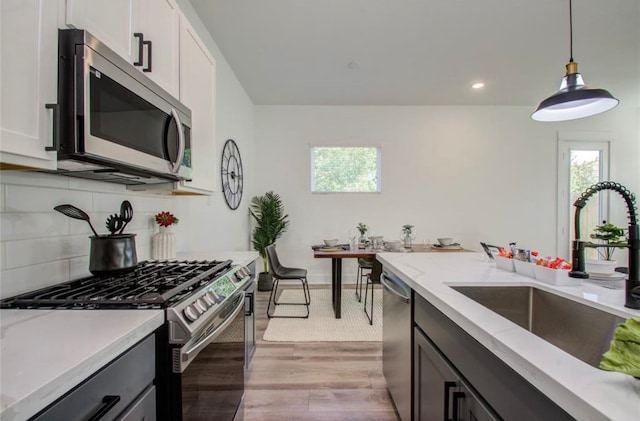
x=176, y=165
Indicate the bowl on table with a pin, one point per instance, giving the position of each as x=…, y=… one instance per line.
x=445, y=241
x=393, y=245
x=331, y=243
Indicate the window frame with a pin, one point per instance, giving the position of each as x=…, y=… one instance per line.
x=568, y=142
x=378, y=149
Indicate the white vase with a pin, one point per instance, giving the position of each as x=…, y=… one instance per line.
x=163, y=244
x=407, y=240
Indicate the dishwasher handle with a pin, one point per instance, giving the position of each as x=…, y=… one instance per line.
x=390, y=284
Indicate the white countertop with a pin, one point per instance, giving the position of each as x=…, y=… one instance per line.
x=585, y=392
x=45, y=353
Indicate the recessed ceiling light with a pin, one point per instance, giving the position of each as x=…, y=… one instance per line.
x=478, y=85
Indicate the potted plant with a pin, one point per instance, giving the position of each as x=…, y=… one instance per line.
x=609, y=237
x=363, y=228
x=163, y=243
x=271, y=222
x=407, y=235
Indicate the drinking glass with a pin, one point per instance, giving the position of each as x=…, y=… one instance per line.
x=352, y=238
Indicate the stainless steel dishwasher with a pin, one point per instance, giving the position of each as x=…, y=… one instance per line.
x=396, y=342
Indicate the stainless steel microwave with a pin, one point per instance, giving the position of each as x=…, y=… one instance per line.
x=113, y=123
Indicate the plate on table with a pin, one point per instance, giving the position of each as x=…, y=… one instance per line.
x=330, y=249
x=454, y=246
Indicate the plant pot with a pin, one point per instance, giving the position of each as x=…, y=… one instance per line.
x=163, y=244
x=265, y=281
x=600, y=267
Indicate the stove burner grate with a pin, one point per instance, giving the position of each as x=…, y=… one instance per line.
x=153, y=284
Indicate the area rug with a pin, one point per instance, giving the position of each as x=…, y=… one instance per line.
x=322, y=326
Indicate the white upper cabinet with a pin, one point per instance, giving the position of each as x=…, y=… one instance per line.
x=159, y=22
x=112, y=22
x=144, y=32
x=198, y=92
x=29, y=38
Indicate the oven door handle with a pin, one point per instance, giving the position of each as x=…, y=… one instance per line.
x=187, y=356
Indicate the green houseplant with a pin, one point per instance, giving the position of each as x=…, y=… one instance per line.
x=407, y=235
x=271, y=222
x=363, y=228
x=610, y=236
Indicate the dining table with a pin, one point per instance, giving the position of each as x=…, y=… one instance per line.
x=337, y=253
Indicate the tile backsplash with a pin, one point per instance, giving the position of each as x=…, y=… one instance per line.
x=41, y=247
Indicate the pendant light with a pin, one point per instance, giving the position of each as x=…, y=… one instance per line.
x=573, y=100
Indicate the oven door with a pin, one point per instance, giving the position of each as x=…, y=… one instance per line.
x=210, y=370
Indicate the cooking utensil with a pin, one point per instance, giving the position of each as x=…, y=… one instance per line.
x=126, y=214
x=114, y=223
x=113, y=254
x=75, y=213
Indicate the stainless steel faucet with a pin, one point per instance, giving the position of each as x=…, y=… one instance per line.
x=632, y=284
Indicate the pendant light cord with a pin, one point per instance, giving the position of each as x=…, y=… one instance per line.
x=570, y=33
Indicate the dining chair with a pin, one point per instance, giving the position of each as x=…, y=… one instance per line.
x=278, y=272
x=373, y=278
x=364, y=264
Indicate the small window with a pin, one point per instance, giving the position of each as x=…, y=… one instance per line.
x=336, y=169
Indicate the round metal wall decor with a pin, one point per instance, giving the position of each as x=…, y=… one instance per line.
x=231, y=174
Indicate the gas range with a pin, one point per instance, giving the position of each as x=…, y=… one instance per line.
x=192, y=292
x=209, y=313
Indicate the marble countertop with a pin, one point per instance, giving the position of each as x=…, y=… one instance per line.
x=45, y=353
x=585, y=392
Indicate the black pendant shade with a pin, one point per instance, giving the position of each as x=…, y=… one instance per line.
x=574, y=100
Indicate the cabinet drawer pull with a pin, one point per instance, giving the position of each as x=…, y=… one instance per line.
x=140, y=37
x=108, y=402
x=149, y=55
x=55, y=109
x=447, y=392
x=457, y=397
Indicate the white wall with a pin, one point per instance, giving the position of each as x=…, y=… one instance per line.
x=210, y=223
x=40, y=247
x=472, y=173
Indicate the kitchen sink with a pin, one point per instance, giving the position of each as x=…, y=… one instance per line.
x=578, y=329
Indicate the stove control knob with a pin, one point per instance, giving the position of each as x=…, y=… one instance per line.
x=199, y=306
x=190, y=313
x=209, y=299
x=204, y=302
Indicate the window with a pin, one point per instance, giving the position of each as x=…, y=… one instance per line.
x=337, y=169
x=582, y=164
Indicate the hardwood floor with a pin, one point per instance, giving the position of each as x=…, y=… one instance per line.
x=328, y=381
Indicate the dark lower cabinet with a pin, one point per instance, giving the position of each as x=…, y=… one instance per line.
x=123, y=390
x=456, y=378
x=439, y=391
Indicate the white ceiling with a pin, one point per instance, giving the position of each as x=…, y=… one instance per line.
x=423, y=52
